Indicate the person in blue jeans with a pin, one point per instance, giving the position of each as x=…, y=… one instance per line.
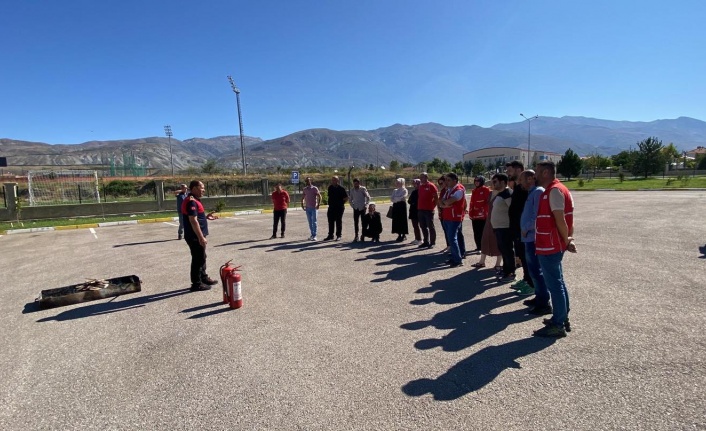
x=311, y=200
x=540, y=303
x=553, y=236
x=453, y=209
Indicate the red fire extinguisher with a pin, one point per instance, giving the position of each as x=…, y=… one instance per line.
x=224, y=271
x=234, y=288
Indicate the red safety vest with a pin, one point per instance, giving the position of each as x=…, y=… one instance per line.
x=457, y=210
x=547, y=238
x=478, y=207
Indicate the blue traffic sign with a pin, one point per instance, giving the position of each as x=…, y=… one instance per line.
x=295, y=177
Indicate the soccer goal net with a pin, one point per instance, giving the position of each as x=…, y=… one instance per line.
x=63, y=187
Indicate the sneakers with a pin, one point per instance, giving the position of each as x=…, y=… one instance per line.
x=313, y=238
x=455, y=264
x=519, y=285
x=415, y=242
x=550, y=331
x=209, y=281
x=541, y=310
x=525, y=290
x=424, y=245
x=273, y=236
x=338, y=238
x=328, y=238
x=282, y=235
x=430, y=246
x=199, y=287
x=567, y=325
x=355, y=239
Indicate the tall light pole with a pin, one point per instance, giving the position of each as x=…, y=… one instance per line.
x=240, y=122
x=168, y=131
x=529, y=154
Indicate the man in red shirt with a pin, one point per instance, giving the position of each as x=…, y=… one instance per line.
x=426, y=204
x=280, y=200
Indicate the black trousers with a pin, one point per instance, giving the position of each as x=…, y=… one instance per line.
x=504, y=239
x=426, y=225
x=520, y=252
x=478, y=226
x=279, y=215
x=335, y=216
x=357, y=214
x=198, y=261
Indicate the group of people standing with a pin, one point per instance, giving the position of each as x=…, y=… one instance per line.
x=525, y=220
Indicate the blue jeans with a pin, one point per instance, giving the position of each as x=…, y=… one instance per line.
x=454, y=237
x=554, y=279
x=535, y=271
x=311, y=217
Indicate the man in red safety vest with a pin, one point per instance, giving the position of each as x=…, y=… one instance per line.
x=553, y=236
x=453, y=209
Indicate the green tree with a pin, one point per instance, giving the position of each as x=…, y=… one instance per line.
x=626, y=159
x=570, y=164
x=406, y=165
x=458, y=168
x=394, y=166
x=595, y=162
x=670, y=154
x=701, y=161
x=648, y=159
x=439, y=166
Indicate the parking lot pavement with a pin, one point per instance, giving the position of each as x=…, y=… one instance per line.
x=348, y=336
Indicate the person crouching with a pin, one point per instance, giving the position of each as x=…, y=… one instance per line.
x=372, y=224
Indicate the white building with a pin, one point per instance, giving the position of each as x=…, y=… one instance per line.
x=498, y=156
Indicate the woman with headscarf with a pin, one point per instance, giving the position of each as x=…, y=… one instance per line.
x=399, y=210
x=442, y=191
x=412, y=201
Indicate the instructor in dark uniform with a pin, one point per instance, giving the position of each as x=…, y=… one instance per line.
x=195, y=233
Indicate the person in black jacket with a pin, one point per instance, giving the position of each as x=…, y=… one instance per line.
x=337, y=198
x=412, y=201
x=372, y=224
x=519, y=197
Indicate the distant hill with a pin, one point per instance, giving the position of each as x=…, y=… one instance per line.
x=324, y=147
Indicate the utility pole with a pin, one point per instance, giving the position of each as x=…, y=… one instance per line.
x=529, y=154
x=168, y=131
x=236, y=90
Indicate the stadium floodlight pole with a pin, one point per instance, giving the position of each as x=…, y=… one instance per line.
x=168, y=131
x=529, y=121
x=236, y=90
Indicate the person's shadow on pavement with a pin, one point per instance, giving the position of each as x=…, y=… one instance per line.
x=477, y=370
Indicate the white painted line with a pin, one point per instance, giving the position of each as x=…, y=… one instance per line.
x=171, y=224
x=30, y=230
x=93, y=231
x=116, y=223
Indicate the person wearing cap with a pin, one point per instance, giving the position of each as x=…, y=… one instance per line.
x=180, y=196
x=359, y=199
x=426, y=204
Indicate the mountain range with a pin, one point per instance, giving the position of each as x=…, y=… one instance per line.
x=325, y=147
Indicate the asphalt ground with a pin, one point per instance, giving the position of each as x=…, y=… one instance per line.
x=349, y=336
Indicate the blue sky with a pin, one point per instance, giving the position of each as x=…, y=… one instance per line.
x=74, y=71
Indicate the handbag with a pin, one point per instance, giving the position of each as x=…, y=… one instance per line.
x=389, y=212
